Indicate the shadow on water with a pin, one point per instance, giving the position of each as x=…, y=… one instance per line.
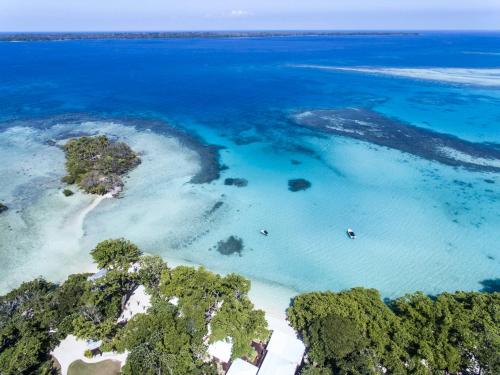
x=490, y=285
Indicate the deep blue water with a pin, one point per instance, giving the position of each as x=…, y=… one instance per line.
x=219, y=88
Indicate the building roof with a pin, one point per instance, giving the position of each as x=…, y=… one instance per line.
x=100, y=273
x=139, y=302
x=287, y=347
x=93, y=344
x=221, y=350
x=241, y=367
x=276, y=365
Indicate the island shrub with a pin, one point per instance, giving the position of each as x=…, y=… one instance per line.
x=96, y=163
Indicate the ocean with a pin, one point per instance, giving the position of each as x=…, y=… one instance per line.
x=422, y=223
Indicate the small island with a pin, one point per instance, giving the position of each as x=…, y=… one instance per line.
x=96, y=164
x=3, y=207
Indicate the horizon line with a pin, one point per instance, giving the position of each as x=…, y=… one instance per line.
x=247, y=30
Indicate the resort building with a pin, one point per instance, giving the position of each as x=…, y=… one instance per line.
x=221, y=350
x=241, y=367
x=138, y=303
x=100, y=273
x=282, y=356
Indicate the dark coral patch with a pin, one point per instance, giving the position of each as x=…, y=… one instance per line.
x=298, y=184
x=238, y=182
x=230, y=246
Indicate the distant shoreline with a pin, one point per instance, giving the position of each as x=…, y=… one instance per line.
x=58, y=36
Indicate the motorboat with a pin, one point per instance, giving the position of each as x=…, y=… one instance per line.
x=351, y=234
x=264, y=232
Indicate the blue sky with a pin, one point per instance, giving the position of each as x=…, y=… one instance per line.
x=104, y=15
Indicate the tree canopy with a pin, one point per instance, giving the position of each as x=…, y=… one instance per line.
x=114, y=254
x=355, y=332
x=167, y=339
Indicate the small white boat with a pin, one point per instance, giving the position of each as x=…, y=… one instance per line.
x=351, y=234
x=264, y=232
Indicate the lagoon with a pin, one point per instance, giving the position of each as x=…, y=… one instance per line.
x=421, y=224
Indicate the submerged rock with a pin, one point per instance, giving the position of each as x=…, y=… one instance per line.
x=238, y=182
x=298, y=184
x=3, y=208
x=242, y=141
x=230, y=246
x=68, y=192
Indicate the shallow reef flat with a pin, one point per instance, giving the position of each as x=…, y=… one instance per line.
x=42, y=224
x=373, y=127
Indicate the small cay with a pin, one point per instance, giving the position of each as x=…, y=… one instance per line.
x=3, y=207
x=96, y=164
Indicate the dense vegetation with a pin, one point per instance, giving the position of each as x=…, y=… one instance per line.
x=96, y=163
x=168, y=339
x=355, y=332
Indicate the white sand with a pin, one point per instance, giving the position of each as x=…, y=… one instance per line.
x=481, y=77
x=138, y=303
x=274, y=300
x=72, y=349
x=458, y=155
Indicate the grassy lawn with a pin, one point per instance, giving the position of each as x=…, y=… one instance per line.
x=107, y=367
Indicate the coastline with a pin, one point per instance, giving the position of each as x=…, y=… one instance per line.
x=62, y=36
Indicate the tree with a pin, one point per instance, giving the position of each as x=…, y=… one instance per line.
x=26, y=316
x=207, y=298
x=159, y=343
x=151, y=269
x=115, y=254
x=334, y=337
x=414, y=334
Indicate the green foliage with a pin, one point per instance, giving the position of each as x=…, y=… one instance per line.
x=96, y=163
x=333, y=338
x=160, y=343
x=450, y=330
x=354, y=332
x=151, y=269
x=205, y=297
x=312, y=370
x=28, y=315
x=115, y=254
x=103, y=302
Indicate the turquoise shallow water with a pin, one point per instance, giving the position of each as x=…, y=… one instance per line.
x=420, y=224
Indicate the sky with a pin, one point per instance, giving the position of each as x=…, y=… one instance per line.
x=166, y=15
